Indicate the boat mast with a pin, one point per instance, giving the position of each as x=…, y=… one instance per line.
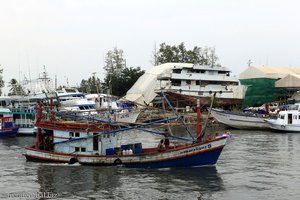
x=198, y=127
x=39, y=130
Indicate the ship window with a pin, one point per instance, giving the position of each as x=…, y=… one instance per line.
x=188, y=82
x=77, y=148
x=176, y=82
x=295, y=117
x=176, y=71
x=71, y=134
x=281, y=116
x=83, y=149
x=77, y=134
x=202, y=71
x=197, y=82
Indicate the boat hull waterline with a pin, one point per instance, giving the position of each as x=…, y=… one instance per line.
x=9, y=133
x=284, y=127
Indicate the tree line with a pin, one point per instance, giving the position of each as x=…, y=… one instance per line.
x=119, y=78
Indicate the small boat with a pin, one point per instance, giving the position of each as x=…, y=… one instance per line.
x=287, y=120
x=7, y=126
x=97, y=143
x=240, y=120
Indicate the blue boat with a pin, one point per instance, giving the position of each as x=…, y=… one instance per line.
x=7, y=125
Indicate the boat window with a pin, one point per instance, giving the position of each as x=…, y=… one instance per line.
x=77, y=134
x=71, y=134
x=188, y=82
x=77, y=148
x=281, y=116
x=176, y=82
x=83, y=149
x=176, y=71
x=294, y=116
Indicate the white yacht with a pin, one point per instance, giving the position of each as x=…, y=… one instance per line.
x=75, y=101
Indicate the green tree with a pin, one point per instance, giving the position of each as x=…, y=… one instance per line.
x=91, y=86
x=114, y=65
x=119, y=85
x=114, y=62
x=15, y=88
x=119, y=78
x=198, y=55
x=1, y=81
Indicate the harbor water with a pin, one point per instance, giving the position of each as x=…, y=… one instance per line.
x=253, y=165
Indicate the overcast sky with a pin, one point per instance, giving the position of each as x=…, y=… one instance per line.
x=71, y=37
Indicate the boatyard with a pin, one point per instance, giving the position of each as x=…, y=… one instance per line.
x=149, y=100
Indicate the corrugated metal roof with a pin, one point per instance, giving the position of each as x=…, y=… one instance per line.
x=289, y=81
x=268, y=72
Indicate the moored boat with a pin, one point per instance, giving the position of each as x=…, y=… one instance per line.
x=287, y=121
x=240, y=120
x=7, y=126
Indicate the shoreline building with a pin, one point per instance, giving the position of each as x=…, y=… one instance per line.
x=267, y=84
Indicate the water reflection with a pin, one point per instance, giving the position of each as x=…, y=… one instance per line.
x=82, y=182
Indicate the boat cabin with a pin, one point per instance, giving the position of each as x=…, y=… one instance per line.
x=289, y=117
x=70, y=142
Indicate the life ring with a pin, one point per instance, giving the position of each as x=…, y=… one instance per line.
x=118, y=162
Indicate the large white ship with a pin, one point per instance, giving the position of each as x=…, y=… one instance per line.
x=184, y=82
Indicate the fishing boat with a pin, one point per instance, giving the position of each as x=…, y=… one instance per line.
x=7, y=126
x=24, y=114
x=240, y=120
x=97, y=143
x=287, y=121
